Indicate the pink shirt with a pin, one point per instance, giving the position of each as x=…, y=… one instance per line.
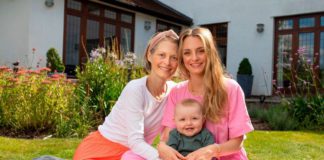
x=236, y=122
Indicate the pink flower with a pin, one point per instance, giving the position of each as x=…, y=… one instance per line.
x=34, y=49
x=274, y=82
x=301, y=50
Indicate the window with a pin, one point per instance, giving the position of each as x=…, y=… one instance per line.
x=292, y=33
x=285, y=24
x=306, y=22
x=162, y=26
x=219, y=32
x=95, y=25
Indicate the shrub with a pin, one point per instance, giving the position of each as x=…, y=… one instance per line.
x=101, y=81
x=245, y=67
x=306, y=102
x=54, y=61
x=277, y=117
x=31, y=101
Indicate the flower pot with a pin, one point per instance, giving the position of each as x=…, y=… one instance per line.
x=246, y=82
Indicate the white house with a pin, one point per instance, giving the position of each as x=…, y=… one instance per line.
x=66, y=24
x=267, y=32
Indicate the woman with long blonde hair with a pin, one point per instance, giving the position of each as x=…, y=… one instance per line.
x=222, y=98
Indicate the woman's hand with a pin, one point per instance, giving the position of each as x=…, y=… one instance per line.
x=168, y=153
x=205, y=153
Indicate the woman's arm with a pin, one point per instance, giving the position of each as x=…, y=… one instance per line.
x=217, y=150
x=166, y=152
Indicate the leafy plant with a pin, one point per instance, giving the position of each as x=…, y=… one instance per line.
x=101, y=81
x=277, y=117
x=245, y=67
x=54, y=61
x=305, y=101
x=31, y=101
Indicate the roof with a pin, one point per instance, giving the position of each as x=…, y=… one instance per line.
x=154, y=8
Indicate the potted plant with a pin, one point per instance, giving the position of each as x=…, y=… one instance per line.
x=245, y=77
x=54, y=61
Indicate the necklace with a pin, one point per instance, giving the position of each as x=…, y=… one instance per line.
x=156, y=91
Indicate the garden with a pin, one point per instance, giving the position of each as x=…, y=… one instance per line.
x=44, y=113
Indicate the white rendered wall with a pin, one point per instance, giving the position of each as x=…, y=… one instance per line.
x=27, y=24
x=142, y=36
x=243, y=40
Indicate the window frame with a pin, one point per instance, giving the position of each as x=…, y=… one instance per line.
x=84, y=15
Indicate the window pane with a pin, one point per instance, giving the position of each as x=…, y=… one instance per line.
x=161, y=27
x=92, y=35
x=322, y=21
x=285, y=24
x=125, y=42
x=321, y=65
x=306, y=40
x=284, y=60
x=110, y=14
x=72, y=40
x=306, y=22
x=126, y=18
x=92, y=9
x=110, y=34
x=74, y=4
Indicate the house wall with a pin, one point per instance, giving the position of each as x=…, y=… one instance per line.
x=30, y=24
x=142, y=36
x=243, y=39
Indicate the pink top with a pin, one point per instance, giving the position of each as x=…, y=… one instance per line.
x=236, y=122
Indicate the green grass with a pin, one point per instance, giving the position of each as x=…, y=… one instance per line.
x=264, y=145
x=27, y=149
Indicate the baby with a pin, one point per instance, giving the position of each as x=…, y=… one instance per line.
x=189, y=134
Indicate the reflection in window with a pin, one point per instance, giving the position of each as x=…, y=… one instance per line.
x=72, y=4
x=161, y=27
x=285, y=24
x=92, y=35
x=321, y=63
x=110, y=34
x=72, y=40
x=126, y=18
x=110, y=14
x=125, y=42
x=306, y=22
x=92, y=9
x=284, y=60
x=306, y=40
x=322, y=21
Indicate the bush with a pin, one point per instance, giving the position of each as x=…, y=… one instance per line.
x=245, y=67
x=54, y=61
x=305, y=102
x=101, y=81
x=31, y=101
x=277, y=117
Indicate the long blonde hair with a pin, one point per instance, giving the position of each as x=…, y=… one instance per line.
x=215, y=96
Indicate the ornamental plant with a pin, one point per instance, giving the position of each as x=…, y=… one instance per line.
x=54, y=61
x=305, y=100
x=245, y=67
x=101, y=81
x=30, y=101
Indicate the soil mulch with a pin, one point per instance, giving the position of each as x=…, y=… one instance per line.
x=5, y=132
x=259, y=125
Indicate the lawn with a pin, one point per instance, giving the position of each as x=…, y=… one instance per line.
x=264, y=145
